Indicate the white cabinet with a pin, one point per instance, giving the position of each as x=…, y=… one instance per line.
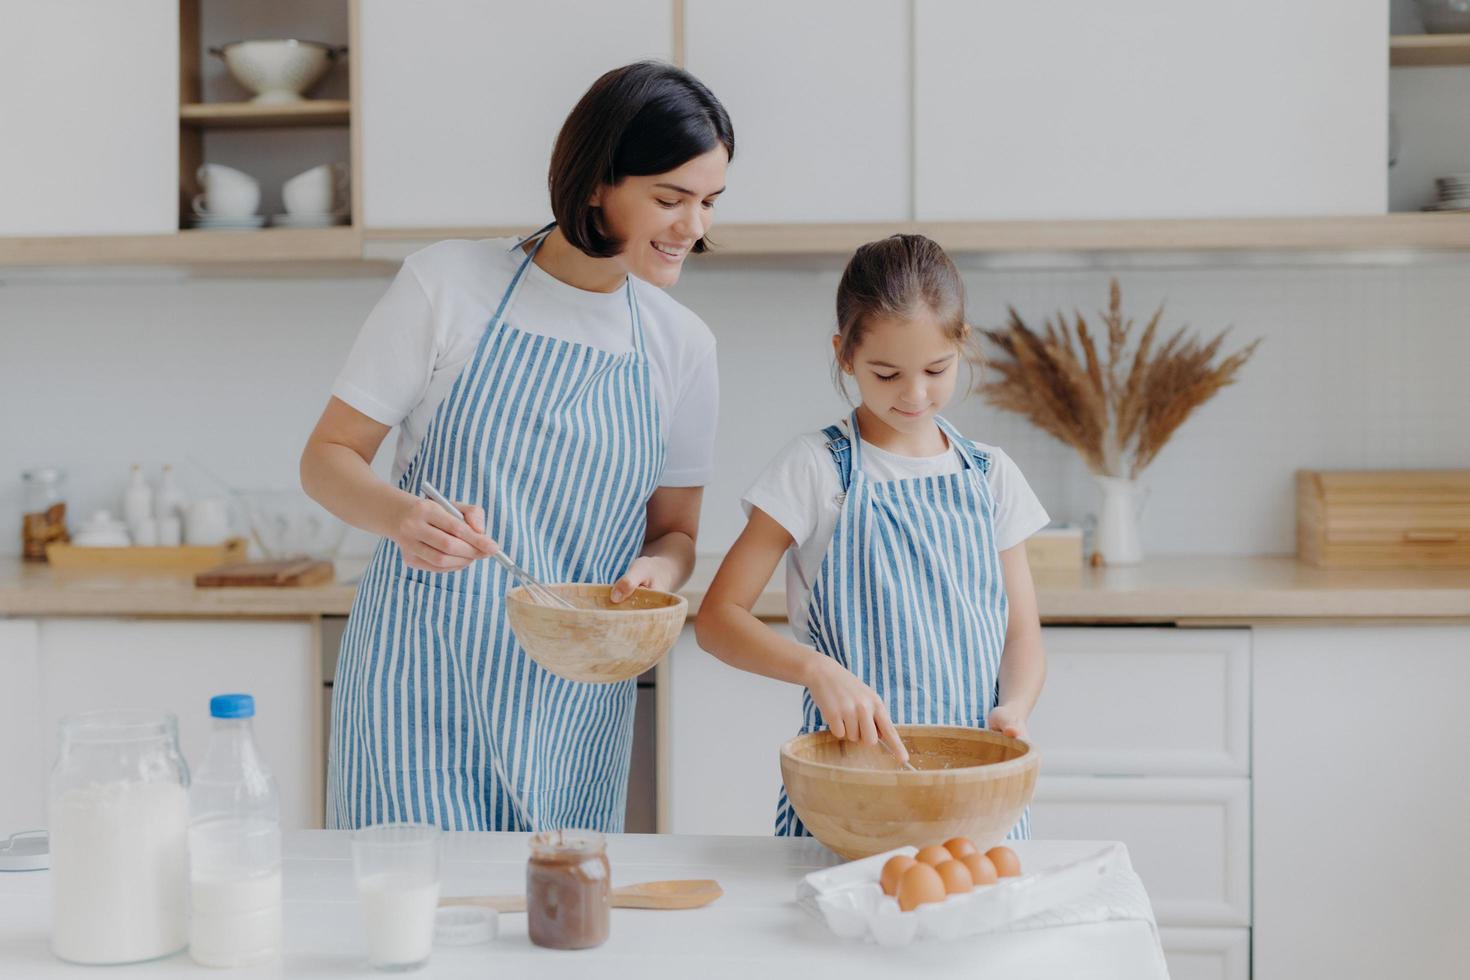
x=91, y=117
x=720, y=733
x=1149, y=108
x=1362, y=799
x=818, y=92
x=22, y=766
x=176, y=666
x=462, y=100
x=1189, y=839
x=1145, y=702
x=1207, y=954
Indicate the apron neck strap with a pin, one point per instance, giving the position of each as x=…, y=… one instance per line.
x=956, y=443
x=635, y=316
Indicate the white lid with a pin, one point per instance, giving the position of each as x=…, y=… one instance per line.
x=464, y=925
x=29, y=850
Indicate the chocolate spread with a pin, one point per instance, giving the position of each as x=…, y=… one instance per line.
x=567, y=889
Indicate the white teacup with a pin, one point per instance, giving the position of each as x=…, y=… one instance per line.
x=315, y=191
x=227, y=192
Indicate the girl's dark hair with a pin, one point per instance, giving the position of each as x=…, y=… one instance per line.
x=894, y=277
x=641, y=119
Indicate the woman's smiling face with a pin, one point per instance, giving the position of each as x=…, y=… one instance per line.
x=659, y=217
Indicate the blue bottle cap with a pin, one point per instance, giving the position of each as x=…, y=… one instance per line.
x=232, y=706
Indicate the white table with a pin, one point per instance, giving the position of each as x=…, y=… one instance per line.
x=755, y=930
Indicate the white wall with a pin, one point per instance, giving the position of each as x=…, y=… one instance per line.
x=1361, y=367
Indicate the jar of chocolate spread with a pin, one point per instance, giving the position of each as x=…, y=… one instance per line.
x=567, y=889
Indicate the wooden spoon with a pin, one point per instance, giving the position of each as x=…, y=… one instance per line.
x=688, y=894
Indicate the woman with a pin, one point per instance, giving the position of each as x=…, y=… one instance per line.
x=567, y=406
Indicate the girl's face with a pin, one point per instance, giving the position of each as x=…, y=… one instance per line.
x=661, y=216
x=905, y=369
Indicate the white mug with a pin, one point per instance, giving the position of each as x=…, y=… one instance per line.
x=315, y=191
x=170, y=531
x=207, y=522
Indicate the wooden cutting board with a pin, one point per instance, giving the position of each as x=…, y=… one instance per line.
x=267, y=574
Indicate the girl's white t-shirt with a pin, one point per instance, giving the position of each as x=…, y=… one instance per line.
x=799, y=490
x=428, y=324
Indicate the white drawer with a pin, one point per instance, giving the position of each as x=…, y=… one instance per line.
x=1145, y=702
x=1189, y=838
x=1207, y=954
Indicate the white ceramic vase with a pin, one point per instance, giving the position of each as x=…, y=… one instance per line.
x=1118, y=540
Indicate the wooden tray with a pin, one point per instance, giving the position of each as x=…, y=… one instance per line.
x=185, y=558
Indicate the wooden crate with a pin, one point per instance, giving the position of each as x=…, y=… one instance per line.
x=1383, y=518
x=184, y=558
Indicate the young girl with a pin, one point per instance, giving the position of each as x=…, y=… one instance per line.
x=906, y=568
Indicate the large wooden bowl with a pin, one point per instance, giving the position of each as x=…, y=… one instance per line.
x=600, y=641
x=858, y=801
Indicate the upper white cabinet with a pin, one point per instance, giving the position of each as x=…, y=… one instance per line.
x=91, y=117
x=818, y=93
x=1149, y=109
x=462, y=100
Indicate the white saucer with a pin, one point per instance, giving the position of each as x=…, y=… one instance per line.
x=220, y=221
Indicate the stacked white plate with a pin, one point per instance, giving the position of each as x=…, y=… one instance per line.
x=1453, y=193
x=323, y=220
x=222, y=222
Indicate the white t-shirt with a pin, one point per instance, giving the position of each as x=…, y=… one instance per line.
x=424, y=330
x=799, y=489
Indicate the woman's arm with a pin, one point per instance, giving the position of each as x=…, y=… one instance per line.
x=336, y=472
x=668, y=543
x=727, y=628
x=1023, y=663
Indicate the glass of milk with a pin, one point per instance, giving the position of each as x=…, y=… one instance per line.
x=397, y=871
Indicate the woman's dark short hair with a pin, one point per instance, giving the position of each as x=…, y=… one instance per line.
x=641, y=119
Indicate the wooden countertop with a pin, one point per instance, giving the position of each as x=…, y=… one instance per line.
x=1171, y=589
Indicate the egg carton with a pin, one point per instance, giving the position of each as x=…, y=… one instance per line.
x=851, y=901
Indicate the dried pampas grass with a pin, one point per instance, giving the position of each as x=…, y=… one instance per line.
x=1116, y=410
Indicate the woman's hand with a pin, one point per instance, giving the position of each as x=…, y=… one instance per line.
x=853, y=711
x=1007, y=720
x=646, y=572
x=434, y=541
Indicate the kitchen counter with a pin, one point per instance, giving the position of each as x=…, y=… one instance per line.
x=755, y=929
x=1160, y=590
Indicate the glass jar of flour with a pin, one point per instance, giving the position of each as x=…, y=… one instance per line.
x=119, y=815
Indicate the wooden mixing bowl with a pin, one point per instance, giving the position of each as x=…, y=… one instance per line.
x=600, y=641
x=858, y=801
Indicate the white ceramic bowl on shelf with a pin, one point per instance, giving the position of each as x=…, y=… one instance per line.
x=281, y=70
x=289, y=524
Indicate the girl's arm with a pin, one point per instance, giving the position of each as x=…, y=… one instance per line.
x=1023, y=663
x=668, y=543
x=727, y=628
x=336, y=472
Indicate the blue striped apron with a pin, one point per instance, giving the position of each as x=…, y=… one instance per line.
x=438, y=714
x=910, y=595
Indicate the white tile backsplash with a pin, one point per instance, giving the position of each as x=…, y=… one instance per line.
x=1362, y=366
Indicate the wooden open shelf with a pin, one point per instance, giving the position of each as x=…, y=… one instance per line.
x=266, y=245
x=1390, y=231
x=1427, y=50
x=249, y=115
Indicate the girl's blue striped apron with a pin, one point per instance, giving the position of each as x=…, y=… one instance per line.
x=910, y=595
x=438, y=714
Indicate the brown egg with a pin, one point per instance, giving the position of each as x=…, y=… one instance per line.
x=920, y=885
x=981, y=868
x=960, y=846
x=893, y=870
x=956, y=877
x=934, y=855
x=1007, y=865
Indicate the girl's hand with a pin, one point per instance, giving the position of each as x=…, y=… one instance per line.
x=853, y=711
x=1007, y=721
x=434, y=541
x=646, y=572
